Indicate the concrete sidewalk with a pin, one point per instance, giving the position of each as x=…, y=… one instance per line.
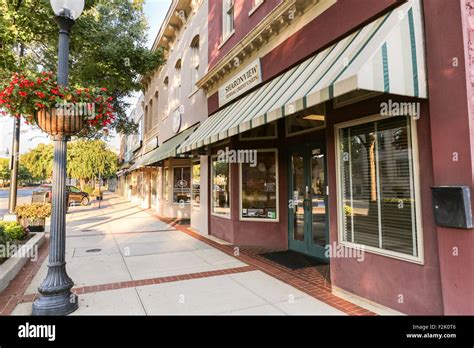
x=126, y=262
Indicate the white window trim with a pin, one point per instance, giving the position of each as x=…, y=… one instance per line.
x=224, y=216
x=172, y=186
x=257, y=4
x=275, y=150
x=193, y=206
x=227, y=34
x=417, y=192
x=195, y=51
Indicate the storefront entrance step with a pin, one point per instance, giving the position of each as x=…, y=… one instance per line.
x=293, y=260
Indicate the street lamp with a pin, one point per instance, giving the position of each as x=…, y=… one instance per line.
x=57, y=298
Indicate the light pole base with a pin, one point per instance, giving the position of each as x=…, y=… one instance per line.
x=60, y=304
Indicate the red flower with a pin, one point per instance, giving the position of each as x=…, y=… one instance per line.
x=40, y=95
x=103, y=89
x=23, y=94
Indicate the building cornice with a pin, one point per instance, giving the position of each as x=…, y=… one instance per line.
x=270, y=27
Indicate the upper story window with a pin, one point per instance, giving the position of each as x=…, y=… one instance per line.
x=194, y=62
x=227, y=18
x=167, y=97
x=149, y=116
x=177, y=83
x=156, y=109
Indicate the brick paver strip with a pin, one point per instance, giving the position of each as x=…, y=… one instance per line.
x=308, y=281
x=141, y=282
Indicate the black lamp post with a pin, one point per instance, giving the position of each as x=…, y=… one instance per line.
x=57, y=298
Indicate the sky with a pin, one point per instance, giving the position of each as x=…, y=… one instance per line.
x=155, y=11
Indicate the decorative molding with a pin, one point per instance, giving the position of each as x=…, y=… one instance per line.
x=280, y=18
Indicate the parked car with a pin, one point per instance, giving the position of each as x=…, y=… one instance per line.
x=74, y=195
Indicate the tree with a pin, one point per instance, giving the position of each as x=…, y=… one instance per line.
x=87, y=159
x=108, y=46
x=90, y=159
x=24, y=175
x=39, y=161
x=4, y=170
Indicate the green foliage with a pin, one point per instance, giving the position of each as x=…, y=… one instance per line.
x=108, y=46
x=4, y=168
x=39, y=161
x=23, y=173
x=3, y=236
x=33, y=211
x=89, y=159
x=13, y=230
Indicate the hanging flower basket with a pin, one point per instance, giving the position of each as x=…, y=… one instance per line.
x=57, y=122
x=57, y=110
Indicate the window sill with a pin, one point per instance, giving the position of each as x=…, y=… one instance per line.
x=255, y=8
x=227, y=217
x=258, y=220
x=382, y=252
x=224, y=40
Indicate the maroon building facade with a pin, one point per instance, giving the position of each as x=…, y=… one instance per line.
x=410, y=263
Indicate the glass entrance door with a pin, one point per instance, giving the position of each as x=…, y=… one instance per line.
x=308, y=232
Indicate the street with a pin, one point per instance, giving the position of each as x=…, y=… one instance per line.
x=24, y=196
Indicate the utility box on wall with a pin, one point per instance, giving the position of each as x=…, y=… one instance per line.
x=452, y=206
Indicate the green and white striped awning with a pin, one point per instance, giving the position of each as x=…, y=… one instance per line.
x=385, y=56
x=167, y=149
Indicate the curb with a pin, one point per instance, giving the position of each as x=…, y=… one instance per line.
x=10, y=269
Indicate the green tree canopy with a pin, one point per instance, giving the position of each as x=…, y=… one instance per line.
x=108, y=46
x=39, y=161
x=89, y=159
x=24, y=174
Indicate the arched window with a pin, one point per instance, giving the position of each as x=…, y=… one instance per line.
x=177, y=82
x=167, y=97
x=194, y=62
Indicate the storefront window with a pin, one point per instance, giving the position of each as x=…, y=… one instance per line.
x=182, y=185
x=220, y=188
x=166, y=183
x=259, y=197
x=378, y=186
x=196, y=195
